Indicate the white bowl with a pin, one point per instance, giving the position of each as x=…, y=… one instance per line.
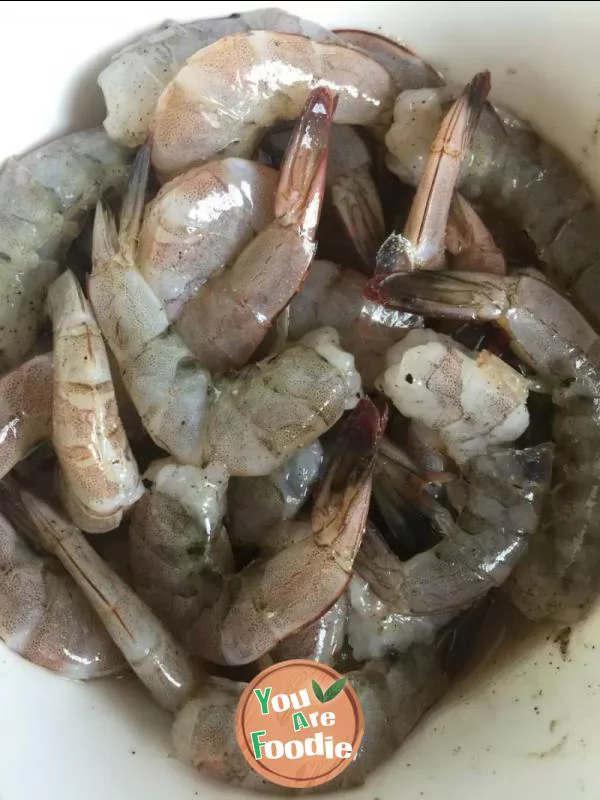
x=525, y=726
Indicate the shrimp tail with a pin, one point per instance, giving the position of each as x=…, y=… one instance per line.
x=352, y=464
x=301, y=186
x=453, y=295
x=132, y=208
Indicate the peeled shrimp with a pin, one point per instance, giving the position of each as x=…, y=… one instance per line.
x=256, y=505
x=268, y=600
x=153, y=654
x=228, y=317
x=135, y=77
x=200, y=222
x=224, y=97
x=178, y=545
x=251, y=421
x=332, y=296
x=559, y=575
x=376, y=629
x=25, y=410
x=472, y=400
x=45, y=618
x=512, y=169
x=99, y=476
x=44, y=196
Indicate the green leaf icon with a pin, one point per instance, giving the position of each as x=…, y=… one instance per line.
x=329, y=694
x=335, y=688
x=318, y=692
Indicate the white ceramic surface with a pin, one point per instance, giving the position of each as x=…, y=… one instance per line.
x=528, y=728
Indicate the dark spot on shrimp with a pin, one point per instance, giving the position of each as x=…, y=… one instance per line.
x=563, y=640
x=5, y=257
x=147, y=483
x=409, y=378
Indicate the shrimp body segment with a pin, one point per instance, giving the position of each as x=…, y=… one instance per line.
x=558, y=575
x=135, y=77
x=155, y=656
x=229, y=92
x=44, y=197
x=250, y=421
x=25, y=410
x=268, y=600
x=200, y=222
x=472, y=400
x=178, y=545
x=227, y=319
x=46, y=619
x=99, y=475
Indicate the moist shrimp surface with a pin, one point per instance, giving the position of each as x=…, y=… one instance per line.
x=135, y=77
x=200, y=222
x=229, y=92
x=44, y=197
x=99, y=476
x=45, y=618
x=251, y=420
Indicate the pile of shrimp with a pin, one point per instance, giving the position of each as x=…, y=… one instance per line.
x=298, y=361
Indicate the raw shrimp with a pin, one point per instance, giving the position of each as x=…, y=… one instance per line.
x=44, y=616
x=376, y=629
x=332, y=296
x=135, y=77
x=512, y=169
x=44, y=196
x=273, y=598
x=204, y=736
x=422, y=243
x=559, y=575
x=468, y=240
x=252, y=421
x=405, y=67
x=256, y=505
x=499, y=501
x=393, y=693
x=99, y=477
x=25, y=410
x=179, y=549
x=227, y=318
x=320, y=641
x=228, y=93
x=200, y=222
x=153, y=654
x=350, y=184
x=473, y=400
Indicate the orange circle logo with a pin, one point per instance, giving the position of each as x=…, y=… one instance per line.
x=299, y=724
